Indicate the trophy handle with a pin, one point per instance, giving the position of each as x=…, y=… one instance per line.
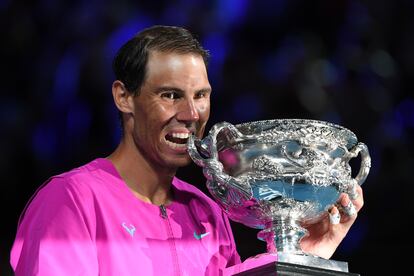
x=362, y=149
x=194, y=152
x=205, y=154
x=208, y=146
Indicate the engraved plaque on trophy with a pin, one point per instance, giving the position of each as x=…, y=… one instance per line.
x=280, y=175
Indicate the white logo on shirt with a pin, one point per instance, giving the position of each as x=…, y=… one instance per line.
x=131, y=229
x=202, y=235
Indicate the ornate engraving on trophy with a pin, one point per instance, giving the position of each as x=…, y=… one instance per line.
x=278, y=175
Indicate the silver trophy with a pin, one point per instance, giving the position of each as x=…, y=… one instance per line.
x=279, y=176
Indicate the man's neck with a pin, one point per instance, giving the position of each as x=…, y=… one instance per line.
x=149, y=184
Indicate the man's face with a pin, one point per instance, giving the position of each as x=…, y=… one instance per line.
x=173, y=103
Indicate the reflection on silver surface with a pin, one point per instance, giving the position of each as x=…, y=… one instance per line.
x=278, y=175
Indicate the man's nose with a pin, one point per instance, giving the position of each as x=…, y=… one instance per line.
x=187, y=111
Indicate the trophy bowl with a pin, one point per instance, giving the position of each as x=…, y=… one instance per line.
x=279, y=176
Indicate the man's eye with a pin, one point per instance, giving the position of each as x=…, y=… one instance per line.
x=201, y=95
x=170, y=95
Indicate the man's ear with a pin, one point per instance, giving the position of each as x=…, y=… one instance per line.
x=122, y=98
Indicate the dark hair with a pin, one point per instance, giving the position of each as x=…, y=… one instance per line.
x=129, y=64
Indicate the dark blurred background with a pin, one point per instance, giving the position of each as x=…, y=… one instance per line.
x=345, y=61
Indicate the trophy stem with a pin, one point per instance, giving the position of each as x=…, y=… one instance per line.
x=283, y=236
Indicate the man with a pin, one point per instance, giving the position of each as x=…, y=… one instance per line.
x=128, y=214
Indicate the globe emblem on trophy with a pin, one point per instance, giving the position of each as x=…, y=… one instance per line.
x=280, y=175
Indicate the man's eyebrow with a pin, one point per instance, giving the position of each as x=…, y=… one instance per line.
x=175, y=89
x=169, y=89
x=204, y=90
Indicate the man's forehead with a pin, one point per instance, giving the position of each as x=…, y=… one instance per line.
x=156, y=54
x=172, y=62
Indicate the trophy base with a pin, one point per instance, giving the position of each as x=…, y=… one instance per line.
x=266, y=265
x=287, y=269
x=313, y=261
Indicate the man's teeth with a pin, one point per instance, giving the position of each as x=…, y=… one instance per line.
x=175, y=145
x=180, y=135
x=177, y=140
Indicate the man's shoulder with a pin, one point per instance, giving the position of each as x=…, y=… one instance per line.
x=62, y=189
x=81, y=178
x=85, y=171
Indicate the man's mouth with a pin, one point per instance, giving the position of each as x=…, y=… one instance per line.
x=177, y=140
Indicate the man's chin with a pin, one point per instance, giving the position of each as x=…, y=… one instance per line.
x=179, y=162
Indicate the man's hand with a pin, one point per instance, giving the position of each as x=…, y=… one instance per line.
x=325, y=236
